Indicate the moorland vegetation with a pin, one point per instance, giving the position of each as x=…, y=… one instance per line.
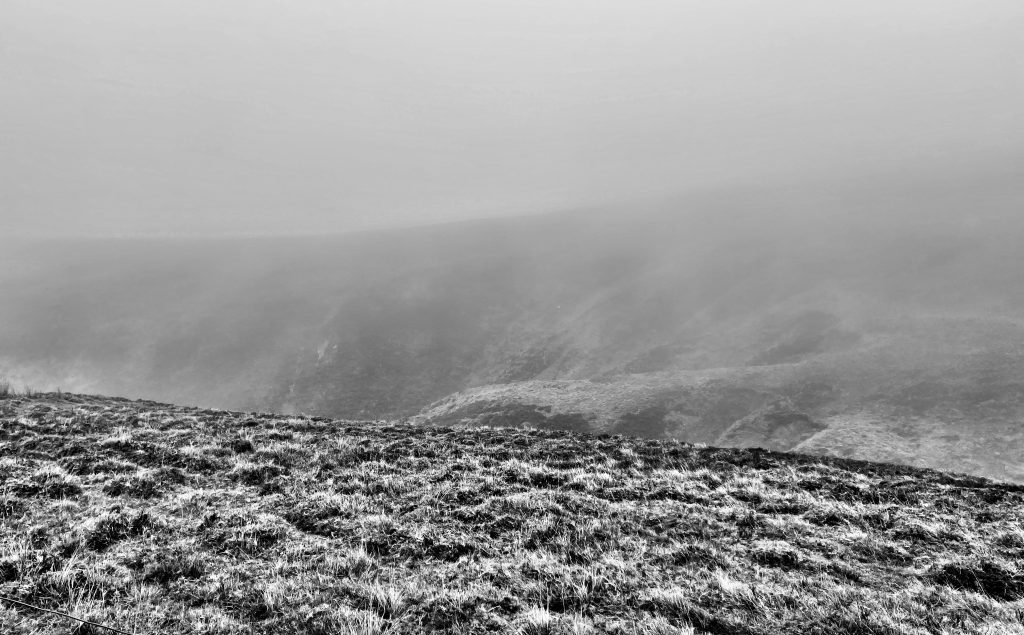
x=154, y=518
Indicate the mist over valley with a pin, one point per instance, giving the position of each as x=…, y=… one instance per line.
x=878, y=320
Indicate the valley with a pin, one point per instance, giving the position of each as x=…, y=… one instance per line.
x=847, y=326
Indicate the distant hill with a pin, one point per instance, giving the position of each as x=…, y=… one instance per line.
x=152, y=518
x=880, y=320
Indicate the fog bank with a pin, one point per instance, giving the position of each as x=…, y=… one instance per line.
x=264, y=117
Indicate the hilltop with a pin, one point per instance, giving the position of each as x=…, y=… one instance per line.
x=158, y=518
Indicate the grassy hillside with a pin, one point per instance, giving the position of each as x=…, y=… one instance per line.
x=884, y=403
x=156, y=518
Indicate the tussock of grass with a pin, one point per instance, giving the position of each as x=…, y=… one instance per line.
x=245, y=533
x=165, y=519
x=49, y=481
x=100, y=532
x=999, y=580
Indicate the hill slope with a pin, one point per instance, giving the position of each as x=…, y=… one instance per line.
x=886, y=316
x=873, y=404
x=157, y=518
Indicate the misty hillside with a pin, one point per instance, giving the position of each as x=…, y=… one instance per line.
x=880, y=320
x=153, y=518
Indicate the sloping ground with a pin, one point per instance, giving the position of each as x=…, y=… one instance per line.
x=157, y=519
x=914, y=404
x=381, y=324
x=868, y=322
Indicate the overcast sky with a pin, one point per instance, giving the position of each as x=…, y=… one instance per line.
x=273, y=116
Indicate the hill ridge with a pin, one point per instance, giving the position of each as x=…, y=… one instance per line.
x=951, y=477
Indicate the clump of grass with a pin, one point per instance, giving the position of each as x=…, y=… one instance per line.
x=204, y=459
x=255, y=473
x=350, y=563
x=281, y=453
x=111, y=527
x=120, y=438
x=142, y=484
x=387, y=600
x=662, y=626
x=1013, y=539
x=776, y=553
x=700, y=553
x=346, y=621
x=87, y=464
x=49, y=481
x=323, y=512
x=175, y=564
x=10, y=506
x=243, y=533
x=241, y=445
x=538, y=621
x=998, y=580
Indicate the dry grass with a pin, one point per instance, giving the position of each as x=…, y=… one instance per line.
x=160, y=519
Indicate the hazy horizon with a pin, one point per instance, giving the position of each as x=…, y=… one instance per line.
x=268, y=118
